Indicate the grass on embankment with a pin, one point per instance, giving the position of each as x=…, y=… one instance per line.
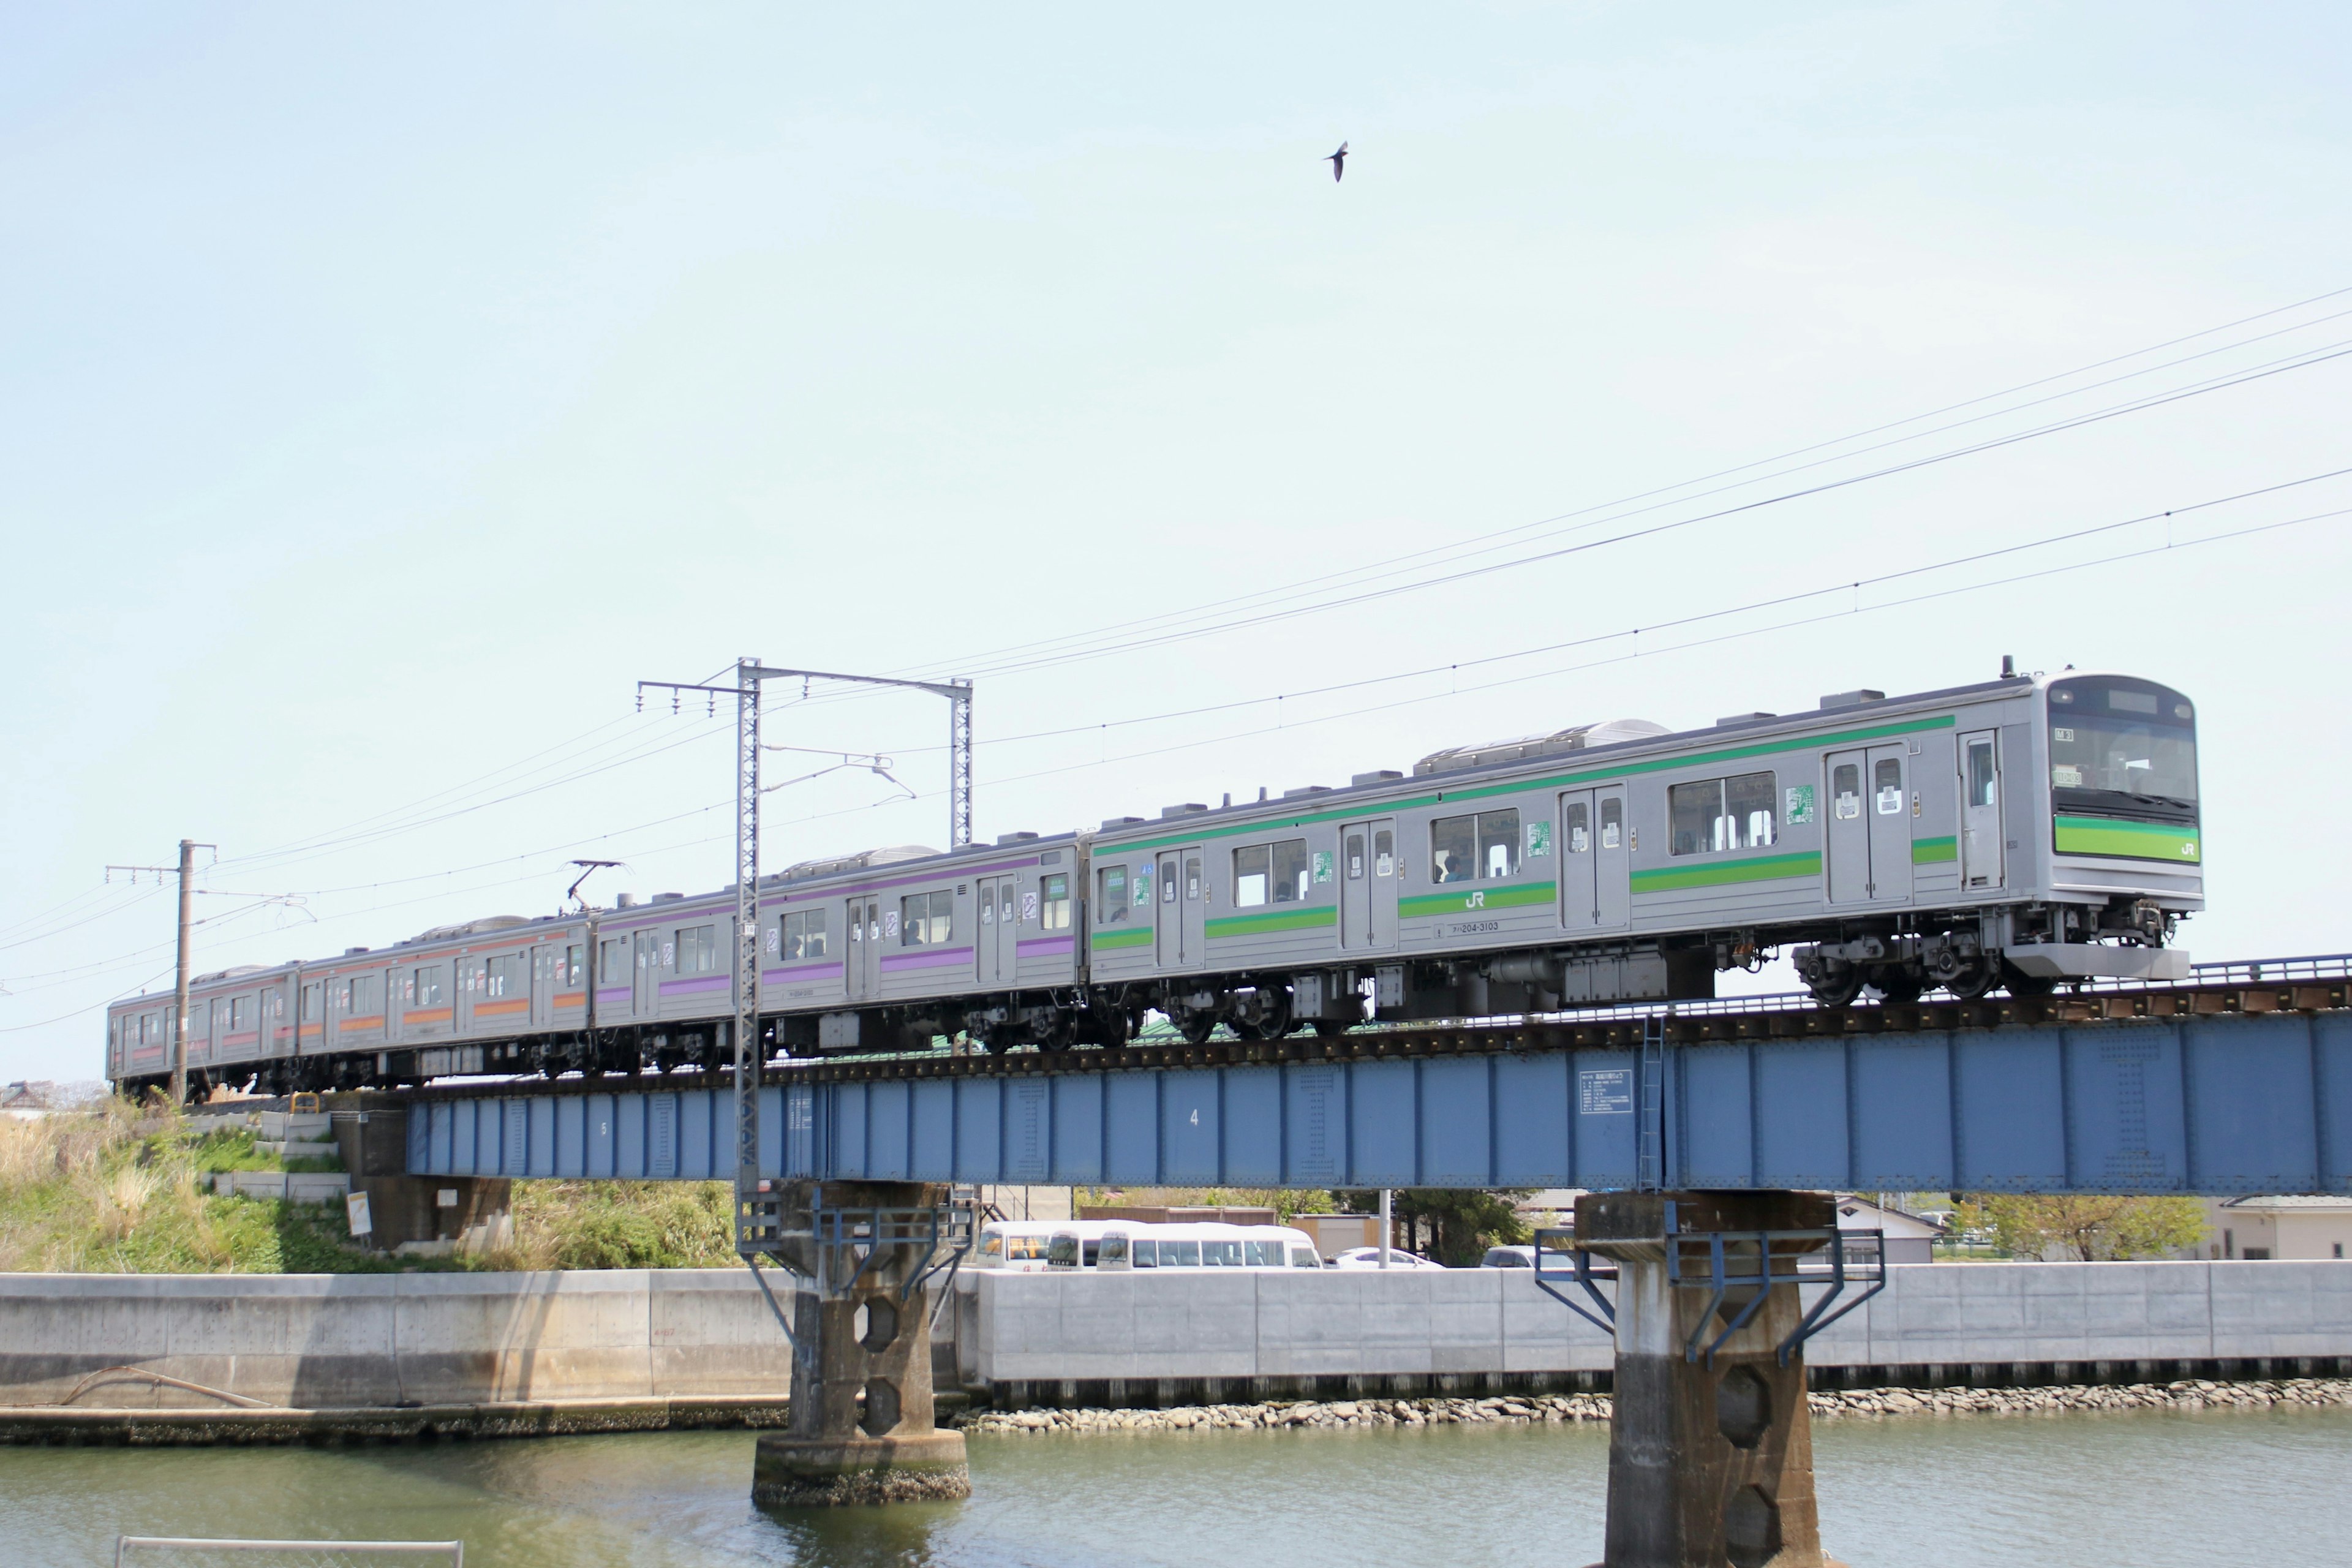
x=113, y=1190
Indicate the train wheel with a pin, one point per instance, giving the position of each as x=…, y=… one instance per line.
x=1974, y=980
x=1196, y=1027
x=2021, y=983
x=1900, y=986
x=1840, y=989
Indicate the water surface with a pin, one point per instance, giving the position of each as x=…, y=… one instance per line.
x=2138, y=1490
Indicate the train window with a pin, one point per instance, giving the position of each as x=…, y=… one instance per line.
x=1983, y=782
x=1886, y=780
x=240, y=1012
x=1110, y=896
x=1612, y=822
x=612, y=957
x=1292, y=871
x=697, y=950
x=1465, y=849
x=1845, y=789
x=504, y=976
x=1714, y=815
x=572, y=968
x=1749, y=801
x=1168, y=880
x=1498, y=843
x=1384, y=853
x=1054, y=893
x=649, y=955
x=1355, y=856
x=1272, y=873
x=805, y=935
x=1580, y=831
x=1252, y=871
x=926, y=919
x=425, y=986
x=1193, y=888
x=220, y=1017
x=367, y=993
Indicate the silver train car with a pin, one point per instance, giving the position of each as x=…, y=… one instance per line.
x=2021, y=833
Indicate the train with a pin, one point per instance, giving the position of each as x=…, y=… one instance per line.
x=2024, y=832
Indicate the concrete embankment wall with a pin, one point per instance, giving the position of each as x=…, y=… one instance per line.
x=1147, y=1338
x=345, y=1341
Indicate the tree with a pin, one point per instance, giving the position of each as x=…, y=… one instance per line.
x=2089, y=1227
x=1462, y=1223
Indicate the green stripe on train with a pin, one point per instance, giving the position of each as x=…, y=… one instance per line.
x=1478, y=900
x=2175, y=842
x=1761, y=869
x=1274, y=920
x=1126, y=936
x=1375, y=806
x=1928, y=851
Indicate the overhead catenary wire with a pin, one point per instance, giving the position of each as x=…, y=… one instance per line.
x=360, y=834
x=419, y=815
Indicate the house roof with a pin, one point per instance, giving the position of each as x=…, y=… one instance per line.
x=1856, y=1212
x=2319, y=1201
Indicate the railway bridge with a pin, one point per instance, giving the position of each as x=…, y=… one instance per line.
x=1704, y=1134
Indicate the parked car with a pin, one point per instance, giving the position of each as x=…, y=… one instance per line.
x=1369, y=1257
x=1508, y=1257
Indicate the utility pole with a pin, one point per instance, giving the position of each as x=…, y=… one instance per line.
x=748, y=674
x=187, y=867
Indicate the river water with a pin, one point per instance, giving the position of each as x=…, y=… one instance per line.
x=2137, y=1490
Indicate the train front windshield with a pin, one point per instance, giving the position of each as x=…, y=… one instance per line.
x=2122, y=745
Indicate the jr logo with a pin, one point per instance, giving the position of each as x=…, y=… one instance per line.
x=1475, y=901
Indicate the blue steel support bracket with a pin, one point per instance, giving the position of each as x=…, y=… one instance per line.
x=1814, y=1321
x=1582, y=1273
x=1778, y=1258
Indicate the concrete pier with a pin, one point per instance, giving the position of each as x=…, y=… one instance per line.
x=861, y=1418
x=1710, y=1457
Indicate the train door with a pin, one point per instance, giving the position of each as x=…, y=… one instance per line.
x=1980, y=843
x=1579, y=906
x=1890, y=825
x=1000, y=929
x=1368, y=886
x=645, y=1002
x=1870, y=826
x=860, y=962
x=1612, y=861
x=1848, y=839
x=1181, y=937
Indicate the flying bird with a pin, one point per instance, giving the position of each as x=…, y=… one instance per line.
x=1339, y=162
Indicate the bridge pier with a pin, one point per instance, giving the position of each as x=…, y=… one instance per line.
x=861, y=1430
x=1710, y=1448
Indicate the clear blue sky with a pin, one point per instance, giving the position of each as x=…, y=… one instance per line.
x=384, y=390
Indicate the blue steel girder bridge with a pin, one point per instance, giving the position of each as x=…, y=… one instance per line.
x=2237, y=1082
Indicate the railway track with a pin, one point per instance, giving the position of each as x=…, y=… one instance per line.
x=2316, y=984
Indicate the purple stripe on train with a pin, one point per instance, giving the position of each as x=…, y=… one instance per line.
x=1039, y=946
x=689, y=987
x=614, y=994
x=928, y=958
x=800, y=972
